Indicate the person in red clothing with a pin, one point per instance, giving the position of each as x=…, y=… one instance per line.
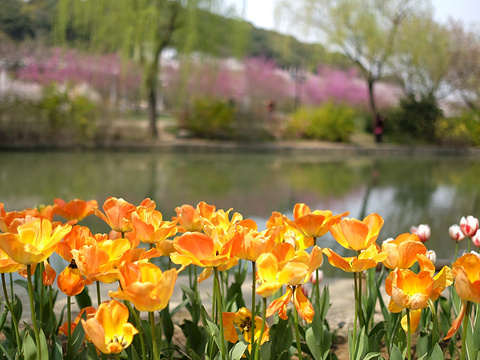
x=378, y=127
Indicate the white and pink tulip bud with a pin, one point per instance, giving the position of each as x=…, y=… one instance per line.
x=456, y=233
x=313, y=278
x=469, y=225
x=432, y=256
x=422, y=231
x=476, y=238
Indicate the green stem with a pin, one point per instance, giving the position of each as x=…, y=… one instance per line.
x=11, y=286
x=355, y=292
x=218, y=299
x=297, y=332
x=264, y=320
x=42, y=292
x=316, y=286
x=360, y=309
x=10, y=309
x=465, y=328
x=253, y=309
x=99, y=294
x=139, y=328
x=409, y=337
x=69, y=324
x=456, y=251
x=469, y=244
x=32, y=312
x=117, y=356
x=156, y=352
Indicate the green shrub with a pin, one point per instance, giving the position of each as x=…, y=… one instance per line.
x=60, y=115
x=463, y=130
x=331, y=122
x=415, y=119
x=210, y=118
x=69, y=109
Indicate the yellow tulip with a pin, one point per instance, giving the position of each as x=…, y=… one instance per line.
x=357, y=235
x=109, y=329
x=145, y=286
x=34, y=241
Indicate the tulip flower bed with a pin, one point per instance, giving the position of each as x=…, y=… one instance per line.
x=285, y=316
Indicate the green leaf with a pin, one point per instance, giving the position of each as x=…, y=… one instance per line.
x=29, y=348
x=237, y=351
x=56, y=351
x=396, y=354
x=311, y=341
x=92, y=352
x=436, y=353
x=372, y=355
x=166, y=320
x=83, y=299
x=5, y=352
x=77, y=338
x=44, y=345
x=193, y=355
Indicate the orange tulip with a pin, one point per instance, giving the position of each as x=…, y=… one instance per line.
x=7, y=265
x=117, y=214
x=402, y=252
x=70, y=281
x=466, y=271
x=75, y=239
x=357, y=235
x=256, y=243
x=188, y=219
x=414, y=291
x=289, y=232
x=98, y=262
x=149, y=226
x=205, y=251
x=294, y=272
x=314, y=224
x=367, y=259
x=242, y=320
x=9, y=218
x=89, y=312
x=145, y=286
x=75, y=209
x=34, y=241
x=109, y=329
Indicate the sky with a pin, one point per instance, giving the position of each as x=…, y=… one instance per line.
x=261, y=12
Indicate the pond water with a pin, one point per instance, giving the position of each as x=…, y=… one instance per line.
x=405, y=191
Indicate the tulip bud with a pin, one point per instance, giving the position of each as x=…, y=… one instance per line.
x=469, y=225
x=313, y=278
x=305, y=289
x=476, y=239
x=456, y=233
x=432, y=256
x=422, y=231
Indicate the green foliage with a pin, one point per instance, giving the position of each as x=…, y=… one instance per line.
x=64, y=108
x=211, y=118
x=61, y=112
x=332, y=122
x=463, y=130
x=416, y=119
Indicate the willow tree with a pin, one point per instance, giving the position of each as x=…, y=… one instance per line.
x=422, y=59
x=365, y=31
x=140, y=29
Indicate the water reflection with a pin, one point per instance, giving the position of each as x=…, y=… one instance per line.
x=405, y=191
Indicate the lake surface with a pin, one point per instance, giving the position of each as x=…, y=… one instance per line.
x=405, y=191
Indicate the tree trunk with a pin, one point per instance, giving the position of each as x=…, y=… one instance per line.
x=371, y=95
x=152, y=111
